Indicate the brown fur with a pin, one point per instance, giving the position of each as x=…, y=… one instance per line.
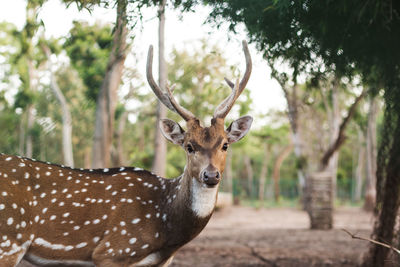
x=208, y=142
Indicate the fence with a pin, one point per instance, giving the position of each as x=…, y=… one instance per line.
x=288, y=187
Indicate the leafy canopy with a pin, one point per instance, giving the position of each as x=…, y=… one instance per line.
x=89, y=47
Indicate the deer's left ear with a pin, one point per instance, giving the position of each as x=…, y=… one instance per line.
x=239, y=128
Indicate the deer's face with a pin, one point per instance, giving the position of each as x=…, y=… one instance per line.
x=206, y=147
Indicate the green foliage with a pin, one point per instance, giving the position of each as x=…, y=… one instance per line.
x=341, y=33
x=198, y=75
x=24, y=98
x=89, y=48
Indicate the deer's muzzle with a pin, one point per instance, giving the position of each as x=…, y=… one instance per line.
x=211, y=176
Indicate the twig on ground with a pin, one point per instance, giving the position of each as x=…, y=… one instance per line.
x=260, y=257
x=372, y=241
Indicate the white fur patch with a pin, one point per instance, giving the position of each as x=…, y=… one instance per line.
x=152, y=259
x=44, y=262
x=203, y=198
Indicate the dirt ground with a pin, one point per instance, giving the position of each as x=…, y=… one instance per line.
x=244, y=236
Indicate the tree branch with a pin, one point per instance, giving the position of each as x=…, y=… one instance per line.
x=372, y=241
x=341, y=135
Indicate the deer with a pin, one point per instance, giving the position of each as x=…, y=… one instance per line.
x=54, y=215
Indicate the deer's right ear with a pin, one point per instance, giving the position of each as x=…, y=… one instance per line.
x=172, y=131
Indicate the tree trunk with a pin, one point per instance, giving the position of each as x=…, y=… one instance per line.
x=66, y=124
x=66, y=115
x=160, y=145
x=228, y=177
x=290, y=93
x=370, y=189
x=390, y=197
x=87, y=158
x=118, y=157
x=21, y=137
x=249, y=174
x=334, y=131
x=359, y=170
x=277, y=169
x=319, y=200
x=263, y=173
x=30, y=115
x=320, y=207
x=340, y=138
x=29, y=139
x=107, y=98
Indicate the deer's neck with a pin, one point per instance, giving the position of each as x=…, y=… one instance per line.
x=196, y=197
x=190, y=209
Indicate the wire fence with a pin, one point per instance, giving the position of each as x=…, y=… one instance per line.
x=289, y=189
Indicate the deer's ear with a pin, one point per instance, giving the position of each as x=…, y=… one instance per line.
x=172, y=131
x=239, y=128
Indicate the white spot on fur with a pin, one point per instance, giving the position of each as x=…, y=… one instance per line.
x=135, y=221
x=41, y=242
x=81, y=245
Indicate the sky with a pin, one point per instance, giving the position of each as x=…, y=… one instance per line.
x=181, y=31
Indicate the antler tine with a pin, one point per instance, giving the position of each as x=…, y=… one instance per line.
x=184, y=113
x=223, y=109
x=156, y=89
x=230, y=99
x=166, y=98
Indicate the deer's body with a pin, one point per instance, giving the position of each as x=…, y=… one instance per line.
x=53, y=215
x=79, y=216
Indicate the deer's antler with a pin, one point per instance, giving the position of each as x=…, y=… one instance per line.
x=237, y=88
x=166, y=98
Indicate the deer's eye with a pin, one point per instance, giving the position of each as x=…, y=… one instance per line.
x=189, y=148
x=225, y=147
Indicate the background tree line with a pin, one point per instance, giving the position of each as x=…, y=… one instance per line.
x=337, y=65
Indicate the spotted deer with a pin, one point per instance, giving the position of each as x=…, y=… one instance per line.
x=53, y=215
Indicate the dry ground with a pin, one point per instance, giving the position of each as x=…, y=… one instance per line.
x=244, y=236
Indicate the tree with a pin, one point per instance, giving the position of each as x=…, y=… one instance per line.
x=89, y=48
x=371, y=139
x=66, y=114
x=107, y=97
x=26, y=62
x=160, y=145
x=355, y=37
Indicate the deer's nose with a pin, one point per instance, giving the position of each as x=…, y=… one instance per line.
x=211, y=177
